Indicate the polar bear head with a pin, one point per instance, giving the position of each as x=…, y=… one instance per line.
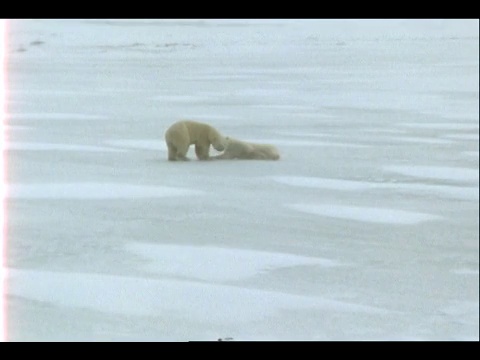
x=217, y=140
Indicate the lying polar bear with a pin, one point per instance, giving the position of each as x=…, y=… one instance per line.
x=184, y=133
x=238, y=149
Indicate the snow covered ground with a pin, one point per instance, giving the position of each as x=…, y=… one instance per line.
x=366, y=229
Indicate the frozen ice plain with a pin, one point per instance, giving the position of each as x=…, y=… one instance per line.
x=366, y=229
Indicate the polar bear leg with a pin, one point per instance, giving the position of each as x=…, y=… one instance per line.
x=172, y=152
x=202, y=151
x=177, y=153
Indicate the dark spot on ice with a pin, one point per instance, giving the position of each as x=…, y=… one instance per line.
x=341, y=43
x=37, y=42
x=225, y=339
x=21, y=49
x=175, y=44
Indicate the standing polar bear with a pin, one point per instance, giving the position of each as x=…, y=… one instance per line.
x=238, y=149
x=184, y=133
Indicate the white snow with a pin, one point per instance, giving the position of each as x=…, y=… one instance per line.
x=145, y=144
x=420, y=140
x=437, y=172
x=466, y=271
x=443, y=126
x=472, y=137
x=215, y=304
x=14, y=127
x=57, y=147
x=217, y=264
x=302, y=134
x=333, y=184
x=367, y=227
x=446, y=191
x=471, y=153
x=54, y=116
x=304, y=143
x=365, y=214
x=94, y=191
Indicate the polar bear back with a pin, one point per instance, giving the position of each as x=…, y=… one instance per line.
x=238, y=149
x=197, y=131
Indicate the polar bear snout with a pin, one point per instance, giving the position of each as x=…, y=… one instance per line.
x=219, y=147
x=220, y=144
